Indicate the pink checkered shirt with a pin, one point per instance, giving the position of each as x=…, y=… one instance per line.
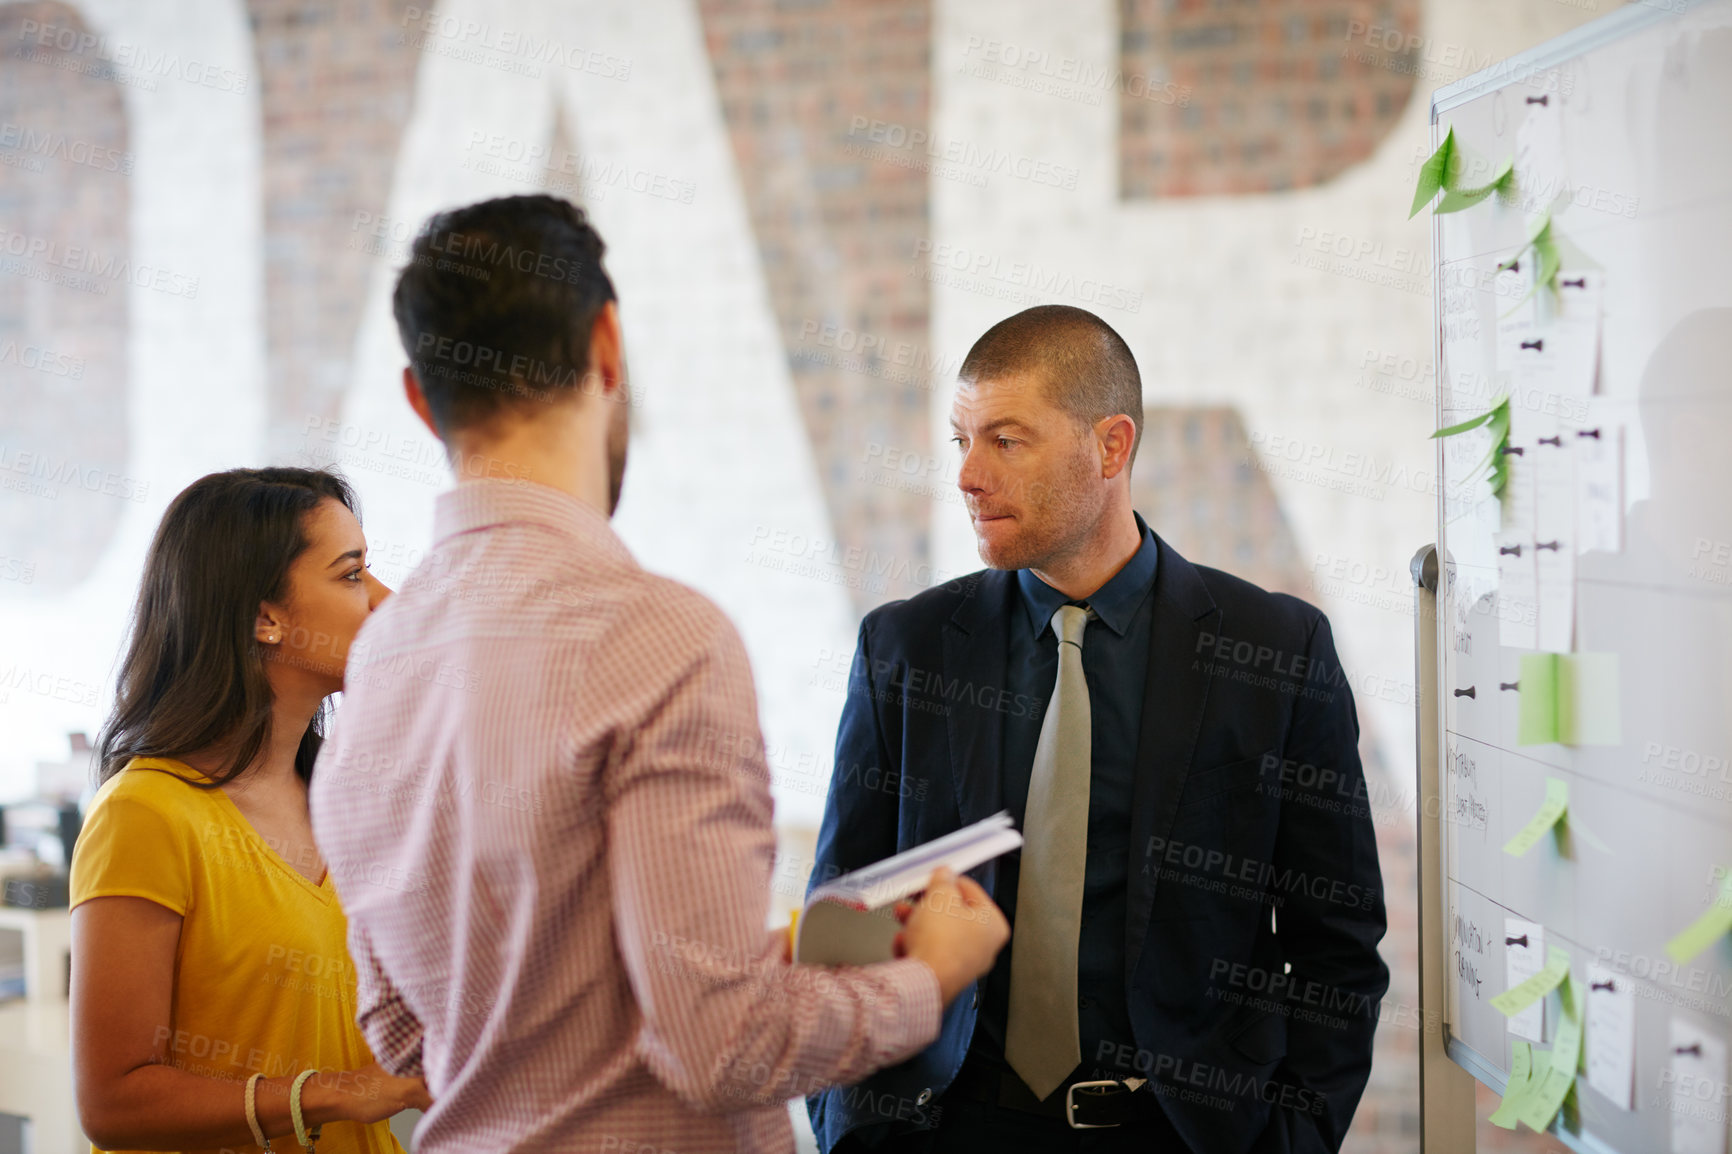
x=546, y=808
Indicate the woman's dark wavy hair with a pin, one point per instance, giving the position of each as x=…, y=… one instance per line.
x=193, y=677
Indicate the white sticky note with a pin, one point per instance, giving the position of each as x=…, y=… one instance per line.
x=1518, y=494
x=1695, y=1074
x=1589, y=704
x=1539, y=158
x=1571, y=334
x=1600, y=488
x=1524, y=945
x=1517, y=592
x=1554, y=538
x=1516, y=309
x=1533, y=385
x=1611, y=1026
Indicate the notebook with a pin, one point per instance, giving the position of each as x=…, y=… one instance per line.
x=851, y=921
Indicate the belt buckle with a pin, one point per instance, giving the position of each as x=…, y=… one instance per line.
x=1070, y=1104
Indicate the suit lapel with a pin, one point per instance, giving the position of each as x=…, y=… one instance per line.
x=1173, y=703
x=976, y=650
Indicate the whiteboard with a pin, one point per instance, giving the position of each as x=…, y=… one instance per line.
x=1633, y=138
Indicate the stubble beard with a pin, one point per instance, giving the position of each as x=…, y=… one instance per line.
x=1053, y=523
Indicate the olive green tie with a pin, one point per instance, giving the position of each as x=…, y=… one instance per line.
x=1041, y=1041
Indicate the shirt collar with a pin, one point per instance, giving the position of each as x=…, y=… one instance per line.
x=1114, y=603
x=482, y=504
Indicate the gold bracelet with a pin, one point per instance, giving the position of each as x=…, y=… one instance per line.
x=253, y=1113
x=301, y=1135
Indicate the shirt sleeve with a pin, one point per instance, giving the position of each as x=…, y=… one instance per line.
x=726, y=1022
x=129, y=847
x=392, y=1031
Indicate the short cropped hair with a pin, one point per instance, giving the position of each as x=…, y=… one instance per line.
x=1085, y=367
x=496, y=304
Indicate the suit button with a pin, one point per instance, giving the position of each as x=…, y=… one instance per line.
x=1083, y=1002
x=923, y=1097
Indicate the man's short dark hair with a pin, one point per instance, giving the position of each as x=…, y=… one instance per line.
x=1085, y=367
x=496, y=304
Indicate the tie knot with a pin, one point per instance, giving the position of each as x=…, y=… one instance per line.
x=1069, y=622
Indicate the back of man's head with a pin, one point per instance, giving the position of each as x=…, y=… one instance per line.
x=496, y=306
x=1081, y=364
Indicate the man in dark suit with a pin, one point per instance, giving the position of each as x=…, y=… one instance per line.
x=1197, y=905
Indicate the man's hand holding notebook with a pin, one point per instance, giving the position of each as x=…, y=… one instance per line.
x=915, y=905
x=955, y=928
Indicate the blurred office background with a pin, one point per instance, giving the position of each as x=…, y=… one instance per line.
x=813, y=208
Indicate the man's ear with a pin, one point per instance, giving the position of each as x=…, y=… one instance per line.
x=418, y=400
x=606, y=373
x=1117, y=436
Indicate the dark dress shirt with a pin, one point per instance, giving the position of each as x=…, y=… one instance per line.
x=1115, y=654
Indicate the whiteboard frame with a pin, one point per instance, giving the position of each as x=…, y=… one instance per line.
x=1446, y=1091
x=1578, y=42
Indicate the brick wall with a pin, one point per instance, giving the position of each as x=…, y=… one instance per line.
x=1241, y=96
x=337, y=79
x=837, y=217
x=64, y=198
x=1192, y=484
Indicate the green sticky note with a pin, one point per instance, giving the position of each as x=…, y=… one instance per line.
x=1466, y=426
x=1546, y=260
x=1551, y=809
x=1545, y=1097
x=1544, y=1102
x=1707, y=929
x=1496, y=462
x=1545, y=222
x=1567, y=1044
x=1542, y=1067
x=1570, y=698
x=1537, y=723
x=1546, y=249
x=1520, y=1068
x=1432, y=174
x=1456, y=199
x=1524, y=994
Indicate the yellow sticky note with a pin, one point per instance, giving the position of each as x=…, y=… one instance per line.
x=1707, y=929
x=1547, y=1098
x=1520, y=1068
x=1524, y=994
x=1542, y=1067
x=1551, y=809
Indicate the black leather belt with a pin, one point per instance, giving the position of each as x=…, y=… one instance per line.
x=1085, y=1104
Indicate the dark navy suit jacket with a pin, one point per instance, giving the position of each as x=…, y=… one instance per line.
x=1255, y=901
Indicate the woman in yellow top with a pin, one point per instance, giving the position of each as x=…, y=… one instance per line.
x=207, y=942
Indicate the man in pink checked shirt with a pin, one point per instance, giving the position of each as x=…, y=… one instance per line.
x=545, y=804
